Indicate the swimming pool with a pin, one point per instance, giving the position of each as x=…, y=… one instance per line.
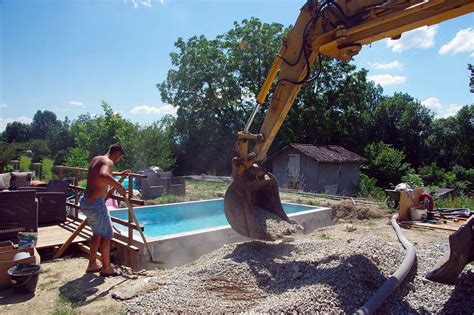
x=180, y=233
x=176, y=218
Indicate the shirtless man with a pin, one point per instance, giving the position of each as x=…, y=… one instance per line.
x=99, y=178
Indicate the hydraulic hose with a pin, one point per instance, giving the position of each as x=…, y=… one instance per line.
x=396, y=278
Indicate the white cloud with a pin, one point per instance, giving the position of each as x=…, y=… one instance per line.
x=145, y=3
x=387, y=79
x=462, y=42
x=386, y=66
x=76, y=103
x=440, y=110
x=3, y=105
x=450, y=110
x=432, y=103
x=5, y=121
x=153, y=110
x=423, y=37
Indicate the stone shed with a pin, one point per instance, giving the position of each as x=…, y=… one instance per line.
x=328, y=169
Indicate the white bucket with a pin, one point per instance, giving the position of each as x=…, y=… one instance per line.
x=418, y=214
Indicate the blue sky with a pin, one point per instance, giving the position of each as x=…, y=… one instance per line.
x=68, y=56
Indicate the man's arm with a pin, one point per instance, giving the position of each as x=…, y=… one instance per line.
x=105, y=175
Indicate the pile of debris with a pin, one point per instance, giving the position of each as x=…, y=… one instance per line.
x=309, y=275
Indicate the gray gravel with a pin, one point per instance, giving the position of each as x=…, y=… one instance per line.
x=308, y=275
x=273, y=225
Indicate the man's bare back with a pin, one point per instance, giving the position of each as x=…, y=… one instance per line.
x=96, y=186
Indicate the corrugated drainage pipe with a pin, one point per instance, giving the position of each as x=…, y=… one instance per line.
x=387, y=288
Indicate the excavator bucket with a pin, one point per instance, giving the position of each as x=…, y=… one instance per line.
x=461, y=252
x=248, y=203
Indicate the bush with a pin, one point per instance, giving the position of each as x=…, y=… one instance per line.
x=386, y=164
x=413, y=179
x=48, y=166
x=431, y=174
x=25, y=163
x=7, y=153
x=464, y=176
x=368, y=188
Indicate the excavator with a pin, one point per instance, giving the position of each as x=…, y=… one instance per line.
x=337, y=29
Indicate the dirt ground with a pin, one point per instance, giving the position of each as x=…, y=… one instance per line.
x=64, y=288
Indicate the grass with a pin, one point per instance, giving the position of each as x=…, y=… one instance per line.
x=48, y=165
x=25, y=163
x=195, y=190
x=63, y=307
x=456, y=202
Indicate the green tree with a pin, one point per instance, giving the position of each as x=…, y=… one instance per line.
x=214, y=84
x=77, y=157
x=39, y=149
x=60, y=139
x=155, y=145
x=387, y=164
x=402, y=121
x=17, y=132
x=96, y=134
x=450, y=140
x=43, y=122
x=334, y=109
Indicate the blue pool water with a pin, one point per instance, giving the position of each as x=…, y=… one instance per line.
x=186, y=217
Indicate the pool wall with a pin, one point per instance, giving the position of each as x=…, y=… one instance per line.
x=178, y=249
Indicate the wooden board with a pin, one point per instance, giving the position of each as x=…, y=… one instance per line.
x=450, y=226
x=55, y=235
x=406, y=203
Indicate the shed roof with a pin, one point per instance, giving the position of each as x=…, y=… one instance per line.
x=328, y=153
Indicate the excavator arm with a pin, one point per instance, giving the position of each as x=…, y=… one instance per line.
x=337, y=29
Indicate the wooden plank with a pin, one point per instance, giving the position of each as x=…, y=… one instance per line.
x=86, y=249
x=55, y=235
x=81, y=169
x=125, y=223
x=70, y=240
x=130, y=221
x=124, y=244
x=70, y=204
x=440, y=226
x=133, y=201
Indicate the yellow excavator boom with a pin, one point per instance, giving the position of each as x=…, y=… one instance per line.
x=337, y=29
x=351, y=24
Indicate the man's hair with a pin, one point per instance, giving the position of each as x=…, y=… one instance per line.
x=116, y=148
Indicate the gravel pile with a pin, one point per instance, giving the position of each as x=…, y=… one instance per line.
x=273, y=225
x=308, y=275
